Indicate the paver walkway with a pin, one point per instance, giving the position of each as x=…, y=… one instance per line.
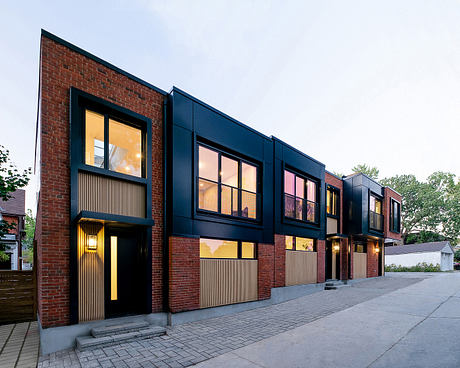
x=195, y=342
x=19, y=345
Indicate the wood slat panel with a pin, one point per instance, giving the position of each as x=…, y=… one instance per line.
x=331, y=226
x=90, y=274
x=359, y=265
x=301, y=267
x=101, y=194
x=17, y=296
x=227, y=281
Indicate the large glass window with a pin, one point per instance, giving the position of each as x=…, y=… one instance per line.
x=226, y=185
x=225, y=249
x=395, y=216
x=124, y=146
x=375, y=213
x=299, y=243
x=300, y=197
x=332, y=202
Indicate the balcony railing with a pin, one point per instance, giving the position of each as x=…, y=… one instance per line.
x=375, y=221
x=300, y=208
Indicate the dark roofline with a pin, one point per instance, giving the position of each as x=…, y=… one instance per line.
x=360, y=173
x=100, y=61
x=297, y=150
x=204, y=104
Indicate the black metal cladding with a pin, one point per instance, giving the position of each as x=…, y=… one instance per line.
x=288, y=158
x=357, y=190
x=192, y=122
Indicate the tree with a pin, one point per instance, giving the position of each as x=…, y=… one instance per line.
x=30, y=230
x=370, y=171
x=10, y=180
x=428, y=207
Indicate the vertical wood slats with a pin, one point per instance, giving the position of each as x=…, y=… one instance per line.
x=301, y=267
x=90, y=274
x=331, y=226
x=117, y=197
x=359, y=265
x=227, y=281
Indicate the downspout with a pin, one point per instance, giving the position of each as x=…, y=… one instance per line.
x=165, y=212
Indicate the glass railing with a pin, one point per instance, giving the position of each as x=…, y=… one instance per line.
x=300, y=208
x=375, y=221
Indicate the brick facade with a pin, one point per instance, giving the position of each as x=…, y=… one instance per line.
x=62, y=68
x=265, y=275
x=372, y=260
x=321, y=261
x=280, y=261
x=343, y=259
x=184, y=274
x=390, y=194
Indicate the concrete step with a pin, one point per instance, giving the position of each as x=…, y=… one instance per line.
x=119, y=328
x=90, y=342
x=335, y=287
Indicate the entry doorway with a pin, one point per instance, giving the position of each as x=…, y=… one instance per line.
x=332, y=260
x=123, y=272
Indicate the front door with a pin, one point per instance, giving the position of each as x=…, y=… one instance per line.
x=123, y=282
x=332, y=260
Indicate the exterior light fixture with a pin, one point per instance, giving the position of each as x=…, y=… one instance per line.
x=377, y=249
x=91, y=243
x=336, y=248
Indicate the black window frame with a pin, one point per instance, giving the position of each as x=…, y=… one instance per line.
x=336, y=191
x=394, y=229
x=375, y=215
x=111, y=114
x=294, y=243
x=316, y=203
x=219, y=183
x=239, y=250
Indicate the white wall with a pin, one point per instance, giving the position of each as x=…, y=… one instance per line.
x=447, y=261
x=412, y=259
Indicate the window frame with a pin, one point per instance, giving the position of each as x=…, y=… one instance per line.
x=111, y=114
x=239, y=250
x=294, y=243
x=356, y=244
x=336, y=191
x=221, y=153
x=392, y=228
x=317, y=191
x=380, y=199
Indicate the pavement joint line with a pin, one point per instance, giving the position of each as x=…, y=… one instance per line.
x=22, y=345
x=7, y=339
x=409, y=331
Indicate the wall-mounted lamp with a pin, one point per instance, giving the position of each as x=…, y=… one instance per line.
x=91, y=242
x=377, y=249
x=336, y=248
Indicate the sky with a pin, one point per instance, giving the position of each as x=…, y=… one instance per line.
x=346, y=82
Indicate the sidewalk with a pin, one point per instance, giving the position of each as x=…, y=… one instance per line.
x=416, y=326
x=19, y=344
x=196, y=342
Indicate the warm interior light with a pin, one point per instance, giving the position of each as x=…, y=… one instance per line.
x=113, y=268
x=91, y=243
x=201, y=184
x=138, y=155
x=127, y=168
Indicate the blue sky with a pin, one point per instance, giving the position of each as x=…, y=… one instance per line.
x=346, y=82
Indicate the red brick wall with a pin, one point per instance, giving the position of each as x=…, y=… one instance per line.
x=321, y=251
x=389, y=194
x=62, y=68
x=265, y=274
x=372, y=260
x=184, y=274
x=280, y=261
x=332, y=180
x=12, y=220
x=343, y=259
x=351, y=257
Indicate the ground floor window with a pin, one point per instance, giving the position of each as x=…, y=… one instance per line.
x=299, y=243
x=227, y=249
x=360, y=248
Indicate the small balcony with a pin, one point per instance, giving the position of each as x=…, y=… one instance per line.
x=375, y=221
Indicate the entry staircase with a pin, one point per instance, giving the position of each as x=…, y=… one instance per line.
x=118, y=333
x=335, y=284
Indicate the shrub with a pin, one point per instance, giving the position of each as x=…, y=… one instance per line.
x=419, y=267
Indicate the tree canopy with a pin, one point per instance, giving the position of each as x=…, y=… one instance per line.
x=370, y=171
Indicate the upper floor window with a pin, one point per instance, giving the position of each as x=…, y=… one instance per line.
x=298, y=243
x=227, y=185
x=217, y=248
x=113, y=145
x=332, y=202
x=395, y=216
x=300, y=197
x=375, y=213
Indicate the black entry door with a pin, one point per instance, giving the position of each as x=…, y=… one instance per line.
x=328, y=260
x=123, y=276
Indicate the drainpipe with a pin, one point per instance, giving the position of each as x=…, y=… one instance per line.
x=165, y=211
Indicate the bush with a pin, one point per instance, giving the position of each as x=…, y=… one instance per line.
x=419, y=267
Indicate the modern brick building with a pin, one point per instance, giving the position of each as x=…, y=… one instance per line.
x=155, y=204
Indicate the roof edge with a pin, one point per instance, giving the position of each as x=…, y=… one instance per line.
x=97, y=59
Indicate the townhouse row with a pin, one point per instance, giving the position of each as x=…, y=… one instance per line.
x=153, y=202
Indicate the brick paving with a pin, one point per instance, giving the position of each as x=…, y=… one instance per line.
x=191, y=343
x=19, y=345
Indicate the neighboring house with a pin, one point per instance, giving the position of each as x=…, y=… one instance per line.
x=153, y=202
x=436, y=253
x=13, y=211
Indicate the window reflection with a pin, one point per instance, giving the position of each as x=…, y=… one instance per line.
x=208, y=163
x=299, y=198
x=94, y=141
x=227, y=249
x=125, y=148
x=248, y=250
x=299, y=243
